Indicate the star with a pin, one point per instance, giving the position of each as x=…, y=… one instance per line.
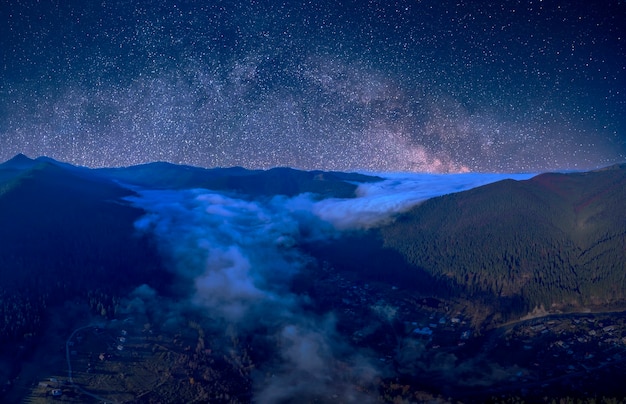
x=409, y=86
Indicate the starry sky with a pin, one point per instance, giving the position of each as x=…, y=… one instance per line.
x=420, y=85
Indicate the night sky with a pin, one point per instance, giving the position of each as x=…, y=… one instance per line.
x=430, y=85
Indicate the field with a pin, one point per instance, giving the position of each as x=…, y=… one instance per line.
x=125, y=360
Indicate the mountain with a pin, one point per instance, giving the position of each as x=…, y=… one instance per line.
x=18, y=162
x=13, y=167
x=64, y=234
x=556, y=240
x=162, y=175
x=276, y=181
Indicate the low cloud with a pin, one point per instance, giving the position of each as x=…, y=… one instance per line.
x=230, y=251
x=380, y=202
x=235, y=257
x=316, y=365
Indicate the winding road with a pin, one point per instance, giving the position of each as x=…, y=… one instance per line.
x=69, y=365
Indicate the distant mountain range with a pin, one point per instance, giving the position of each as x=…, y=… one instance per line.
x=161, y=175
x=463, y=269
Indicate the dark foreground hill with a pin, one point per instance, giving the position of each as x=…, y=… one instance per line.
x=556, y=240
x=65, y=235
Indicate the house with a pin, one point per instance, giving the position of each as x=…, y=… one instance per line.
x=423, y=331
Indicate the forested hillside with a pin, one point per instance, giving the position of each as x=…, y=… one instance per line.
x=557, y=240
x=65, y=236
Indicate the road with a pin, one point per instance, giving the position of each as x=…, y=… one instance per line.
x=69, y=365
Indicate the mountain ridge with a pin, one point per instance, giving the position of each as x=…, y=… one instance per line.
x=163, y=175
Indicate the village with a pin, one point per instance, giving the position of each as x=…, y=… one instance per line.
x=90, y=351
x=569, y=353
x=565, y=348
x=382, y=308
x=129, y=359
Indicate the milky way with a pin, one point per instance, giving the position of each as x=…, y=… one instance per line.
x=433, y=86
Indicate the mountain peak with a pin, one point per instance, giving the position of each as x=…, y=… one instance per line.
x=21, y=157
x=19, y=161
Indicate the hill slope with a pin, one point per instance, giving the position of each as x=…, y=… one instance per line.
x=556, y=240
x=65, y=235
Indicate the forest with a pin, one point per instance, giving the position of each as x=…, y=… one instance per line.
x=556, y=240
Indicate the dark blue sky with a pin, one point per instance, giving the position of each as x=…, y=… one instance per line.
x=407, y=85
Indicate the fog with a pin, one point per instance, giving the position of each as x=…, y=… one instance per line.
x=234, y=257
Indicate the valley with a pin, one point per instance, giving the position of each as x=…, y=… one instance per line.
x=121, y=288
